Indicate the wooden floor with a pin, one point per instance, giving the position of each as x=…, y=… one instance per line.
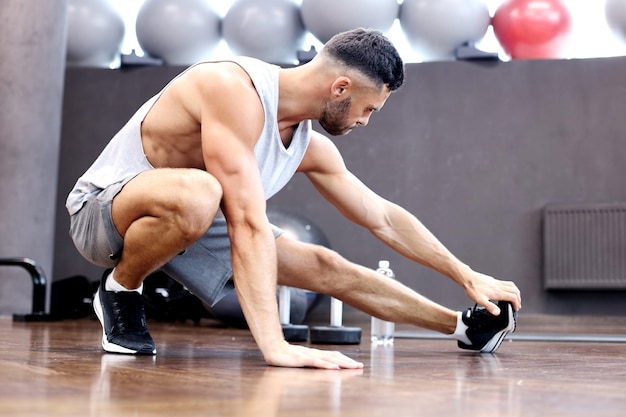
x=58, y=369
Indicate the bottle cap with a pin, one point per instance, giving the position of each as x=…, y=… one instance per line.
x=383, y=264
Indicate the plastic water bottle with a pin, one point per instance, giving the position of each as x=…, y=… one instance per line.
x=382, y=331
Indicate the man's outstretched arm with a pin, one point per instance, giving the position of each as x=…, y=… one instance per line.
x=396, y=227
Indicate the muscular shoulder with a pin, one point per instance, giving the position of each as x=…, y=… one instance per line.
x=220, y=99
x=216, y=76
x=322, y=156
x=220, y=88
x=225, y=94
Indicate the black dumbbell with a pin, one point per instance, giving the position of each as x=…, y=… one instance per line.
x=336, y=333
x=291, y=332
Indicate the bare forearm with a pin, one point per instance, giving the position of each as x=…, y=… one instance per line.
x=256, y=289
x=408, y=236
x=254, y=267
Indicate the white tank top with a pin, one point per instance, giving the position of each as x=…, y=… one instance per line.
x=123, y=157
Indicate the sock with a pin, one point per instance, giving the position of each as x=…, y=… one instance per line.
x=460, y=331
x=112, y=285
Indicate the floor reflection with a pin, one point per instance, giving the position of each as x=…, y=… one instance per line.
x=281, y=389
x=482, y=377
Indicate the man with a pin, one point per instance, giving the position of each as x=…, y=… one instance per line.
x=183, y=188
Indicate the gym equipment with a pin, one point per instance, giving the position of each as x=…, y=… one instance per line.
x=306, y=56
x=38, y=277
x=228, y=310
x=132, y=59
x=302, y=229
x=167, y=300
x=292, y=332
x=615, y=12
x=181, y=32
x=326, y=18
x=95, y=31
x=270, y=30
x=527, y=337
x=71, y=298
x=468, y=52
x=297, y=226
x=336, y=333
x=435, y=28
x=533, y=29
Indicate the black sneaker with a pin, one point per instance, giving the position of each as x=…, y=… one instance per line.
x=123, y=321
x=485, y=331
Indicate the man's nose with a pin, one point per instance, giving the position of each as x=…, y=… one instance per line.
x=363, y=120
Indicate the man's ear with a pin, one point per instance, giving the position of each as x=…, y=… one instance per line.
x=340, y=86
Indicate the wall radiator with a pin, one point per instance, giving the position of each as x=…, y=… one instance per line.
x=584, y=246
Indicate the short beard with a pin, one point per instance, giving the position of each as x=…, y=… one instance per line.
x=334, y=117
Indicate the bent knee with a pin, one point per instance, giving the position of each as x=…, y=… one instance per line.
x=327, y=259
x=199, y=188
x=197, y=198
x=330, y=264
x=207, y=185
x=334, y=273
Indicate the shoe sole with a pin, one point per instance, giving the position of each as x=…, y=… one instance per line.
x=496, y=341
x=106, y=345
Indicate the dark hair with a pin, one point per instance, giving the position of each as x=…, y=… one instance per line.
x=369, y=52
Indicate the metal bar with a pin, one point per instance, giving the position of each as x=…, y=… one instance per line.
x=529, y=337
x=39, y=280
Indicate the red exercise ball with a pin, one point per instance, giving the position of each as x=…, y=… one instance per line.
x=531, y=29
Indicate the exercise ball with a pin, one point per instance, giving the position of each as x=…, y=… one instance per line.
x=297, y=226
x=228, y=310
x=435, y=28
x=533, y=29
x=180, y=32
x=615, y=12
x=270, y=30
x=95, y=31
x=326, y=18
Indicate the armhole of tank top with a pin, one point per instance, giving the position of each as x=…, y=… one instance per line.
x=157, y=96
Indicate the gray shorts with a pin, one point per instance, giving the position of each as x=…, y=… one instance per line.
x=205, y=268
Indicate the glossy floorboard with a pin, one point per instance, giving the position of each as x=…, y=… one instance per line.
x=58, y=369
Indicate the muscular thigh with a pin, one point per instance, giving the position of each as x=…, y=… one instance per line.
x=163, y=191
x=311, y=267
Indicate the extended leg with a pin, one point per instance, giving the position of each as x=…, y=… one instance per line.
x=324, y=271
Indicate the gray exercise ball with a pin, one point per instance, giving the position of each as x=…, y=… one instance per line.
x=95, y=31
x=228, y=310
x=297, y=226
x=326, y=18
x=180, y=32
x=615, y=12
x=435, y=28
x=270, y=30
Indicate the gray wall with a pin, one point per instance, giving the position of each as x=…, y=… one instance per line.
x=32, y=64
x=475, y=151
